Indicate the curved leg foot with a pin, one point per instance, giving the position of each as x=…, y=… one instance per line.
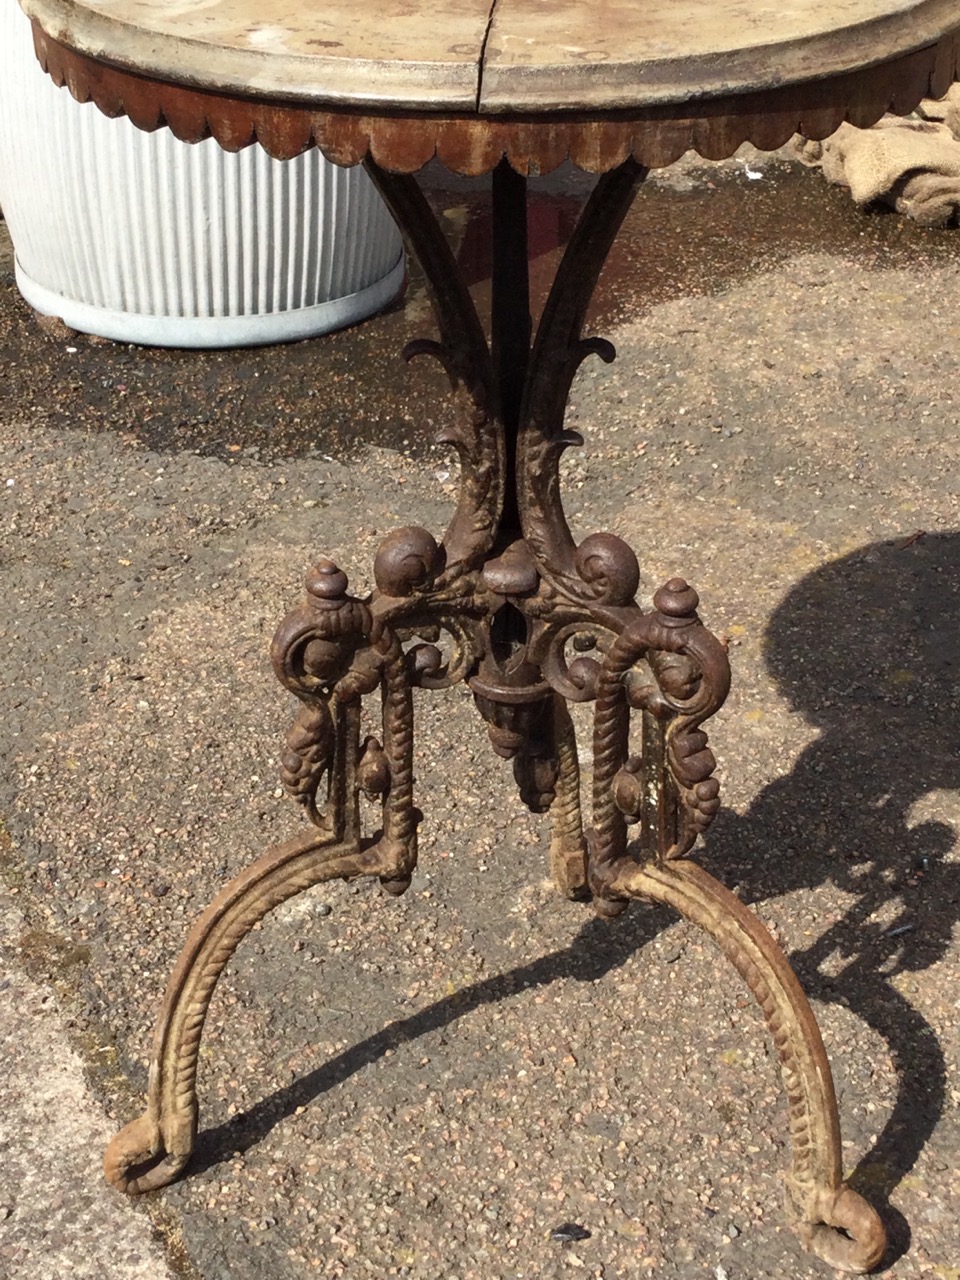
x=153, y=1150
x=831, y=1219
x=140, y=1159
x=848, y=1233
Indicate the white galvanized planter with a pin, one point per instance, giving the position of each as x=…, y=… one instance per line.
x=142, y=238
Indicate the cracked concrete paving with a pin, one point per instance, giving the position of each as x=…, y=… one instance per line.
x=58, y=1218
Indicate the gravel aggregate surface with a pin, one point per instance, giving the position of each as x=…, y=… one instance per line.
x=440, y=1086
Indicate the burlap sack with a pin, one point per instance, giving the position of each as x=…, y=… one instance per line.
x=912, y=164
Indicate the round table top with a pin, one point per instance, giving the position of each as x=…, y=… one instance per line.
x=651, y=77
x=524, y=55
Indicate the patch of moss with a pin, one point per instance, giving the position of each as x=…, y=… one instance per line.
x=61, y=962
x=49, y=957
x=169, y=1236
x=11, y=868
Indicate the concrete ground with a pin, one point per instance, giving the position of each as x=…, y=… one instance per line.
x=427, y=1087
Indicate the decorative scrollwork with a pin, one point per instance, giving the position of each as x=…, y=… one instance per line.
x=558, y=352
x=608, y=567
x=407, y=562
x=465, y=355
x=330, y=652
x=429, y=666
x=674, y=774
x=575, y=679
x=319, y=653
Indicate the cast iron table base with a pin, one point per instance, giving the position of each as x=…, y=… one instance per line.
x=531, y=622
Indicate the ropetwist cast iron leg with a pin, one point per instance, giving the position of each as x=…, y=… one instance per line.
x=832, y=1220
x=534, y=621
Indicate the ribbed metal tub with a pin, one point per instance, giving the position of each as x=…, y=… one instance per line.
x=141, y=238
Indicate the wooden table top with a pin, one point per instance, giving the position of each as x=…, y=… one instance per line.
x=528, y=55
x=654, y=76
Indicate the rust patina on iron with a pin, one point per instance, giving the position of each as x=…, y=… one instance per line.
x=506, y=602
x=532, y=621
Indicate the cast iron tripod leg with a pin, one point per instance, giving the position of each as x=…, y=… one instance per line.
x=832, y=1220
x=153, y=1150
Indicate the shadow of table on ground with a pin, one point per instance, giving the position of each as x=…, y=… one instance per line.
x=866, y=648
x=596, y=951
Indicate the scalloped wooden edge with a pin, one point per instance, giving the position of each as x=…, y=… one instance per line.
x=473, y=145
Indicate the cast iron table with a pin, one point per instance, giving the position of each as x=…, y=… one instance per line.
x=531, y=621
